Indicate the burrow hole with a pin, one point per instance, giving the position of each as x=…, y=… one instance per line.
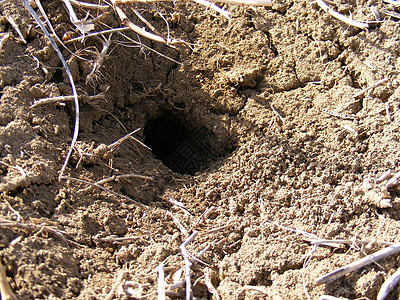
x=182, y=146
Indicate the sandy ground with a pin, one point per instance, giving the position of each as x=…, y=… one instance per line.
x=258, y=145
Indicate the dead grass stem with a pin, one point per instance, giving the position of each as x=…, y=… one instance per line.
x=6, y=292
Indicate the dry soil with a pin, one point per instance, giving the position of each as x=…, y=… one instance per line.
x=258, y=145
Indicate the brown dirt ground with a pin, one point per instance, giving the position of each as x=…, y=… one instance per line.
x=263, y=174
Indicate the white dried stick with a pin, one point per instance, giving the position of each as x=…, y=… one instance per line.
x=16, y=28
x=81, y=4
x=83, y=26
x=388, y=285
x=124, y=18
x=188, y=265
x=340, y=17
x=5, y=291
x=211, y=5
x=99, y=61
x=71, y=80
x=249, y=2
x=372, y=86
x=161, y=282
x=359, y=263
x=3, y=40
x=239, y=2
x=58, y=99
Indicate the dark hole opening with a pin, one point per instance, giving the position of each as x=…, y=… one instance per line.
x=58, y=76
x=182, y=147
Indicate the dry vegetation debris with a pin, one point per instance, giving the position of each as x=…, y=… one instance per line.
x=293, y=115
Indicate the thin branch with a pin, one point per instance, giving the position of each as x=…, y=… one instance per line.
x=394, y=249
x=81, y=4
x=161, y=282
x=84, y=98
x=34, y=227
x=178, y=223
x=340, y=115
x=340, y=17
x=103, y=32
x=3, y=40
x=71, y=79
x=372, y=86
x=104, y=189
x=278, y=114
x=188, y=264
x=211, y=5
x=16, y=28
x=388, y=285
x=124, y=18
x=118, y=239
x=210, y=286
x=5, y=291
x=115, y=285
x=82, y=25
x=100, y=59
x=124, y=176
x=239, y=2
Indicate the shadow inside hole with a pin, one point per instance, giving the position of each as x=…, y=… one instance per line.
x=57, y=76
x=183, y=148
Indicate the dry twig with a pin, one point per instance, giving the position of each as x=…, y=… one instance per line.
x=178, y=224
x=5, y=291
x=179, y=205
x=339, y=115
x=104, y=189
x=188, y=265
x=340, y=17
x=117, y=239
x=81, y=4
x=115, y=285
x=328, y=297
x=100, y=59
x=58, y=99
x=71, y=79
x=388, y=285
x=211, y=5
x=124, y=176
x=210, y=286
x=125, y=20
x=97, y=33
x=3, y=40
x=161, y=282
x=203, y=216
x=83, y=25
x=171, y=41
x=16, y=28
x=278, y=114
x=391, y=250
x=36, y=228
x=372, y=86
